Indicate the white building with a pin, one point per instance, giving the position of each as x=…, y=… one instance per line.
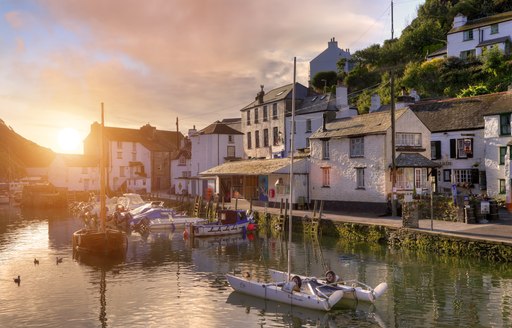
x=211, y=147
x=472, y=37
x=351, y=160
x=74, y=172
x=328, y=59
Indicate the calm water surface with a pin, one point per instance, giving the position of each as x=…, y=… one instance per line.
x=166, y=281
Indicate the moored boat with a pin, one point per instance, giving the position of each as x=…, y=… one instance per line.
x=228, y=222
x=352, y=289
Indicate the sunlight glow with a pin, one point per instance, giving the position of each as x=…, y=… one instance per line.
x=69, y=141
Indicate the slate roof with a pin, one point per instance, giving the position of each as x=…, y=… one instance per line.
x=485, y=21
x=317, y=103
x=235, y=123
x=414, y=160
x=372, y=123
x=485, y=43
x=218, y=128
x=257, y=167
x=460, y=113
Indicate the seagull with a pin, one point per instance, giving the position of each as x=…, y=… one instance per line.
x=17, y=280
x=36, y=261
x=59, y=260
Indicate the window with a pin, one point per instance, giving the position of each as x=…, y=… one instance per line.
x=360, y=178
x=503, y=153
x=275, y=136
x=249, y=140
x=447, y=175
x=326, y=176
x=420, y=178
x=325, y=149
x=307, y=143
x=119, y=144
x=308, y=125
x=357, y=147
x=248, y=117
x=256, y=119
x=408, y=139
x=231, y=138
x=494, y=28
x=182, y=161
x=466, y=175
x=467, y=35
x=461, y=148
x=231, y=151
x=265, y=137
x=119, y=155
x=134, y=157
x=257, y=139
x=503, y=189
x=435, y=150
x=134, y=146
x=121, y=171
x=265, y=113
x=274, y=111
x=468, y=54
x=505, y=124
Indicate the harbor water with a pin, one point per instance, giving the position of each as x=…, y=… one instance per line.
x=166, y=280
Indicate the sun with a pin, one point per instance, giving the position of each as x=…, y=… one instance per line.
x=69, y=141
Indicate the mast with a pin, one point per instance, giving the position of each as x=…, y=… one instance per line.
x=103, y=203
x=393, y=150
x=292, y=146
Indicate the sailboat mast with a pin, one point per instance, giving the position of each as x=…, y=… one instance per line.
x=292, y=149
x=103, y=202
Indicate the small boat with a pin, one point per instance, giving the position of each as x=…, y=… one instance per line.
x=161, y=218
x=297, y=292
x=228, y=222
x=352, y=289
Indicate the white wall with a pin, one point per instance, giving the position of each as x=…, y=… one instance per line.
x=494, y=171
x=142, y=154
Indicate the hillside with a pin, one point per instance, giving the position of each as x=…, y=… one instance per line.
x=18, y=153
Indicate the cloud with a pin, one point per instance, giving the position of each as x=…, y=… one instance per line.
x=151, y=61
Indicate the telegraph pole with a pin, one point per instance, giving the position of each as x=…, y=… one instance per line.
x=393, y=150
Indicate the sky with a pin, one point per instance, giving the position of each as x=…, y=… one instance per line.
x=157, y=60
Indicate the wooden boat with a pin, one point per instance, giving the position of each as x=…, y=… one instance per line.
x=352, y=289
x=228, y=222
x=100, y=240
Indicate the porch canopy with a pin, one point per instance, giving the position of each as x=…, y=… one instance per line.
x=258, y=167
x=414, y=160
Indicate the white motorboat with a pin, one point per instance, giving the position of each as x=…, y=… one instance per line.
x=352, y=289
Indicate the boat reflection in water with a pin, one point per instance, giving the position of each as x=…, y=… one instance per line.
x=345, y=312
x=102, y=265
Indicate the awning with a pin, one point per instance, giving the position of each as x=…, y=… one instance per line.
x=414, y=160
x=258, y=167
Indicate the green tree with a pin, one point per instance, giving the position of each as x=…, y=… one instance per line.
x=325, y=80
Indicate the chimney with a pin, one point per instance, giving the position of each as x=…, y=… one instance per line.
x=324, y=118
x=374, y=103
x=259, y=95
x=341, y=96
x=332, y=43
x=415, y=95
x=459, y=20
x=192, y=131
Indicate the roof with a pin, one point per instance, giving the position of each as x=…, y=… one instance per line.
x=486, y=43
x=218, y=128
x=317, y=103
x=258, y=167
x=372, y=123
x=485, y=21
x=414, y=160
x=460, y=113
x=276, y=94
x=235, y=123
x=438, y=53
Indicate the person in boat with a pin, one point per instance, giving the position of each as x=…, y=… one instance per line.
x=297, y=283
x=331, y=277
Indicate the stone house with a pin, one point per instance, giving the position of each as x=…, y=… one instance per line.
x=328, y=59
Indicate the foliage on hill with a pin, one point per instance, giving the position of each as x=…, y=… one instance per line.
x=405, y=57
x=18, y=153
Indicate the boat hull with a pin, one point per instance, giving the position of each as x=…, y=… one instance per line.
x=349, y=292
x=213, y=229
x=276, y=292
x=110, y=241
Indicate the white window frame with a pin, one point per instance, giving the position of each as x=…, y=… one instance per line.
x=408, y=139
x=357, y=147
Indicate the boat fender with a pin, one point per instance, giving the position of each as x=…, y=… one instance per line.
x=379, y=290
